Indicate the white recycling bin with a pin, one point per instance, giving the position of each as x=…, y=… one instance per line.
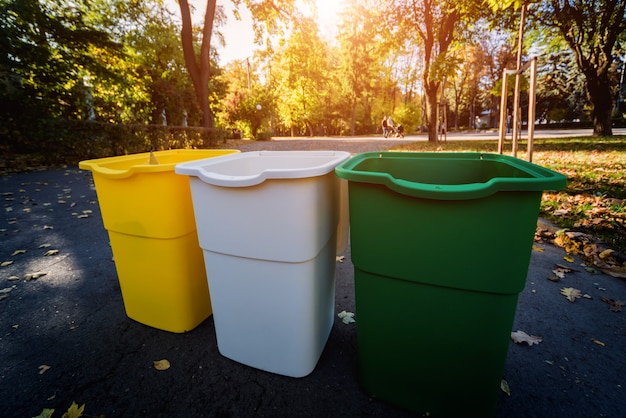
x=268, y=224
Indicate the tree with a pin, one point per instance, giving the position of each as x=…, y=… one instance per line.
x=591, y=29
x=199, y=66
x=47, y=48
x=362, y=51
x=437, y=23
x=299, y=71
x=153, y=43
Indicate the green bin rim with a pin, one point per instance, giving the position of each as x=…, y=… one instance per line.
x=540, y=179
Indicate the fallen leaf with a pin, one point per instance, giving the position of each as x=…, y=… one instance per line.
x=12, y=278
x=560, y=273
x=7, y=289
x=587, y=296
x=162, y=364
x=43, y=368
x=598, y=342
x=606, y=254
x=554, y=278
x=614, y=271
x=614, y=305
x=74, y=411
x=82, y=216
x=570, y=293
x=566, y=268
x=51, y=252
x=340, y=258
x=16, y=252
x=504, y=387
x=521, y=337
x=45, y=245
x=32, y=276
x=3, y=297
x=45, y=413
x=538, y=249
x=6, y=263
x=568, y=258
x=346, y=317
x=88, y=212
x=48, y=227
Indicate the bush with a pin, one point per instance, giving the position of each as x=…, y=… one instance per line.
x=263, y=136
x=57, y=141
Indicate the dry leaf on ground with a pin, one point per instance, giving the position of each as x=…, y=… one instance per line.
x=7, y=289
x=74, y=411
x=521, y=337
x=32, y=276
x=571, y=294
x=614, y=305
x=504, y=387
x=43, y=368
x=161, y=364
x=346, y=317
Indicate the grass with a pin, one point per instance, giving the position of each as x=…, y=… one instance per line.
x=594, y=200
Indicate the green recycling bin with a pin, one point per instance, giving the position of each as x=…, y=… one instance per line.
x=440, y=244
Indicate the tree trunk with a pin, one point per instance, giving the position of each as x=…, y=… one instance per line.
x=431, y=89
x=599, y=93
x=199, y=68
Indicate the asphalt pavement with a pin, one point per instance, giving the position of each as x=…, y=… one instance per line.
x=65, y=337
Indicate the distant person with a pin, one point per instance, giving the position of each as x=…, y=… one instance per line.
x=390, y=126
x=385, y=126
x=400, y=131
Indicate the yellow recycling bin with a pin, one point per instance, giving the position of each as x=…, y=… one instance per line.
x=147, y=210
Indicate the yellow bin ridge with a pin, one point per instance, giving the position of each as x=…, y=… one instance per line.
x=147, y=210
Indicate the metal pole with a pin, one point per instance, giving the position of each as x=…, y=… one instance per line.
x=503, y=104
x=516, y=109
x=531, y=107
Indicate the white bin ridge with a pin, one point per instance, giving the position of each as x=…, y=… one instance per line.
x=267, y=222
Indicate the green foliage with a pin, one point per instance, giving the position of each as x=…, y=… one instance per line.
x=57, y=141
x=409, y=117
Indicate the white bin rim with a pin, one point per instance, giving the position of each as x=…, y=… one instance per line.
x=253, y=168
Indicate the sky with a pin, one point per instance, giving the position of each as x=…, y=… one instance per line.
x=238, y=34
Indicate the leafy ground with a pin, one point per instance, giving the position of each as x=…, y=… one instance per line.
x=594, y=201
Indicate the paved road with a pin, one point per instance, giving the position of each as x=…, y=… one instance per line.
x=474, y=135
